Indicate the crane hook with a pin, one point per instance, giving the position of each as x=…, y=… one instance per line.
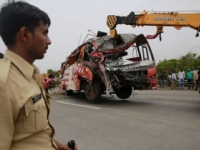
x=198, y=30
x=160, y=37
x=159, y=31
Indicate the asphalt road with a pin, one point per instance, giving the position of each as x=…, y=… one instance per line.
x=149, y=120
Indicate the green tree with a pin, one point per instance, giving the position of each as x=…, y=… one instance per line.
x=167, y=65
x=190, y=60
x=187, y=61
x=55, y=73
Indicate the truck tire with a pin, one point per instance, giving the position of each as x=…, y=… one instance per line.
x=69, y=92
x=93, y=93
x=124, y=92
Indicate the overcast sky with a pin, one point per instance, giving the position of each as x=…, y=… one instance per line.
x=73, y=18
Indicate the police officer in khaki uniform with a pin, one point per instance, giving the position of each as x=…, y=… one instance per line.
x=24, y=107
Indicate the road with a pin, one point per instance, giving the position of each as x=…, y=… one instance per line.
x=149, y=120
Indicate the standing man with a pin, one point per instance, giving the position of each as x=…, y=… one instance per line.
x=24, y=111
x=162, y=78
x=189, y=76
x=198, y=73
x=195, y=78
x=173, y=86
x=169, y=79
x=181, y=77
x=46, y=86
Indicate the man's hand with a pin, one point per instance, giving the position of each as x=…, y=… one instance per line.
x=65, y=146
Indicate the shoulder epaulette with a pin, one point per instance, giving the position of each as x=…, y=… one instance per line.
x=4, y=70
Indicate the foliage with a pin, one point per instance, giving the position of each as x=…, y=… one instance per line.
x=55, y=73
x=190, y=60
x=167, y=65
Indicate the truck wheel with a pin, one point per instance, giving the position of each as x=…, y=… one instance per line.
x=93, y=93
x=69, y=92
x=124, y=92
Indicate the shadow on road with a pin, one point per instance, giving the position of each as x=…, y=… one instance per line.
x=104, y=100
x=171, y=104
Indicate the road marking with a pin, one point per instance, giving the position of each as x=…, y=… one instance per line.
x=141, y=97
x=78, y=105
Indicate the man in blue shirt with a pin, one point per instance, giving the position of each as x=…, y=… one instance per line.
x=189, y=76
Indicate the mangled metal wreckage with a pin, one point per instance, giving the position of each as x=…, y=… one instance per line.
x=100, y=65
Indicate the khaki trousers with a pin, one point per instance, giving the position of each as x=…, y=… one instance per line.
x=173, y=84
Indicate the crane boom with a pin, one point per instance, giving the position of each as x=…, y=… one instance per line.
x=159, y=19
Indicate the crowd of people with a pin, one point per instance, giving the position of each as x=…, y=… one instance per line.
x=192, y=78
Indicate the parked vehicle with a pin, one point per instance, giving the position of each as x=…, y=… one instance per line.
x=50, y=78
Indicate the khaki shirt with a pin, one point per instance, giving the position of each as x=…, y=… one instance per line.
x=24, y=111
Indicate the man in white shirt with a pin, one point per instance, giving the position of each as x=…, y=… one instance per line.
x=181, y=77
x=198, y=73
x=195, y=78
x=169, y=79
x=173, y=80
